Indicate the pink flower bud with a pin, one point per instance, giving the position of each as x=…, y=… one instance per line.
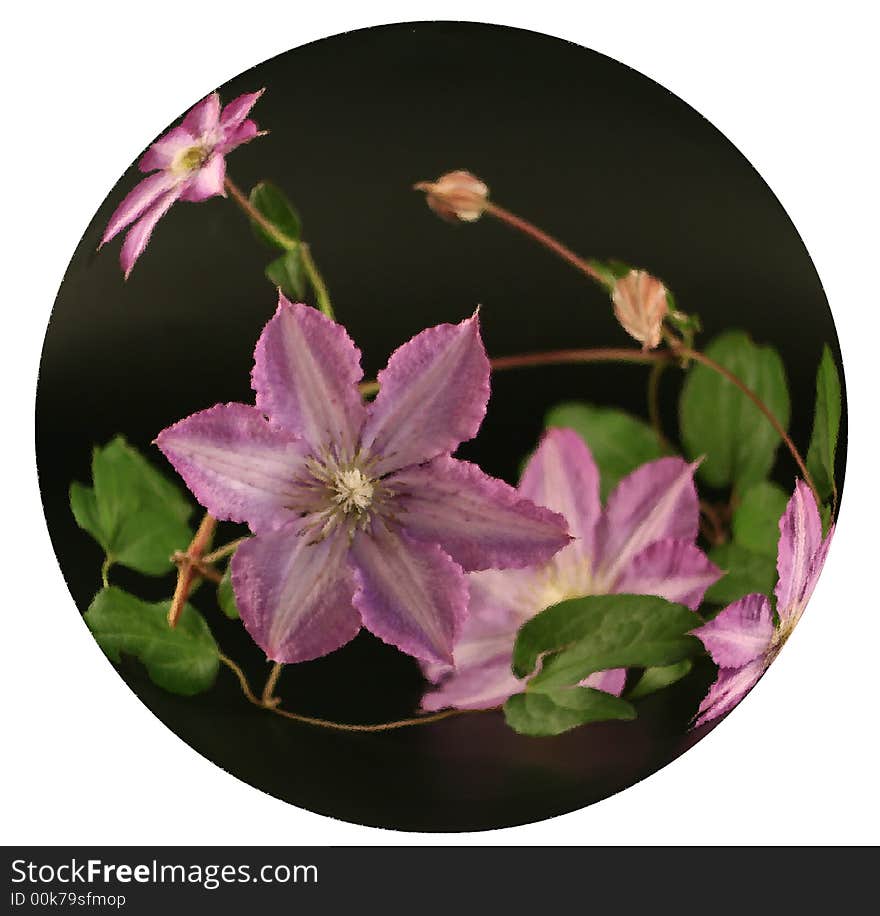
x=456, y=195
x=640, y=305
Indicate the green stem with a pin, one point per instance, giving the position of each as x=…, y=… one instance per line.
x=654, y=402
x=317, y=281
x=105, y=572
x=286, y=242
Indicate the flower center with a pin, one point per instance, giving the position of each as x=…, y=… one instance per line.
x=190, y=159
x=353, y=490
x=339, y=492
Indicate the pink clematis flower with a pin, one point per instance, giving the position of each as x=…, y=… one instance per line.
x=188, y=163
x=361, y=515
x=642, y=542
x=743, y=639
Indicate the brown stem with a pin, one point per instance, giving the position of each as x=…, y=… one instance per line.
x=286, y=242
x=251, y=697
x=563, y=357
x=210, y=558
x=269, y=698
x=527, y=228
x=254, y=214
x=188, y=567
x=707, y=361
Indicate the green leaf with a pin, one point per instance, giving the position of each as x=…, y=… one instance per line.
x=555, y=711
x=719, y=422
x=583, y=635
x=619, y=441
x=655, y=679
x=826, y=426
x=747, y=572
x=138, y=516
x=288, y=274
x=226, y=596
x=272, y=202
x=755, y=522
x=84, y=506
x=183, y=659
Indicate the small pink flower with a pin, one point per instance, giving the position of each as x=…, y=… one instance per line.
x=640, y=305
x=456, y=196
x=745, y=638
x=188, y=163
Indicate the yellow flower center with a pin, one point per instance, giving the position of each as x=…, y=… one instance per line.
x=190, y=159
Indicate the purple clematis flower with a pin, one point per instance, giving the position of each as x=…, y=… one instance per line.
x=743, y=639
x=188, y=163
x=642, y=542
x=361, y=515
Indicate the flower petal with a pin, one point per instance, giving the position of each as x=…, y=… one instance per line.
x=741, y=633
x=656, y=501
x=141, y=197
x=237, y=466
x=245, y=132
x=207, y=181
x=482, y=686
x=731, y=685
x=481, y=676
x=238, y=109
x=306, y=371
x=410, y=594
x=800, y=546
x=673, y=569
x=432, y=396
x=165, y=150
x=203, y=117
x=139, y=235
x=611, y=681
x=562, y=476
x=481, y=522
x=295, y=597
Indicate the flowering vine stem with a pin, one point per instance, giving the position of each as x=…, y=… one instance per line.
x=271, y=705
x=284, y=241
x=677, y=347
x=697, y=356
x=529, y=229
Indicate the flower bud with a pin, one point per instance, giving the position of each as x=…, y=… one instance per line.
x=456, y=195
x=640, y=305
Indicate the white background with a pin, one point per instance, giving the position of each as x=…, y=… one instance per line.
x=86, y=85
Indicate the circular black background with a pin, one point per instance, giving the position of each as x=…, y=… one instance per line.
x=592, y=151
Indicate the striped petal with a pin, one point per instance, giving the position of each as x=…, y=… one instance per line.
x=204, y=117
x=731, y=685
x=676, y=570
x=801, y=552
x=306, y=371
x=411, y=595
x=432, y=396
x=295, y=597
x=144, y=195
x=139, y=235
x=562, y=476
x=237, y=466
x=656, y=501
x=479, y=521
x=741, y=633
